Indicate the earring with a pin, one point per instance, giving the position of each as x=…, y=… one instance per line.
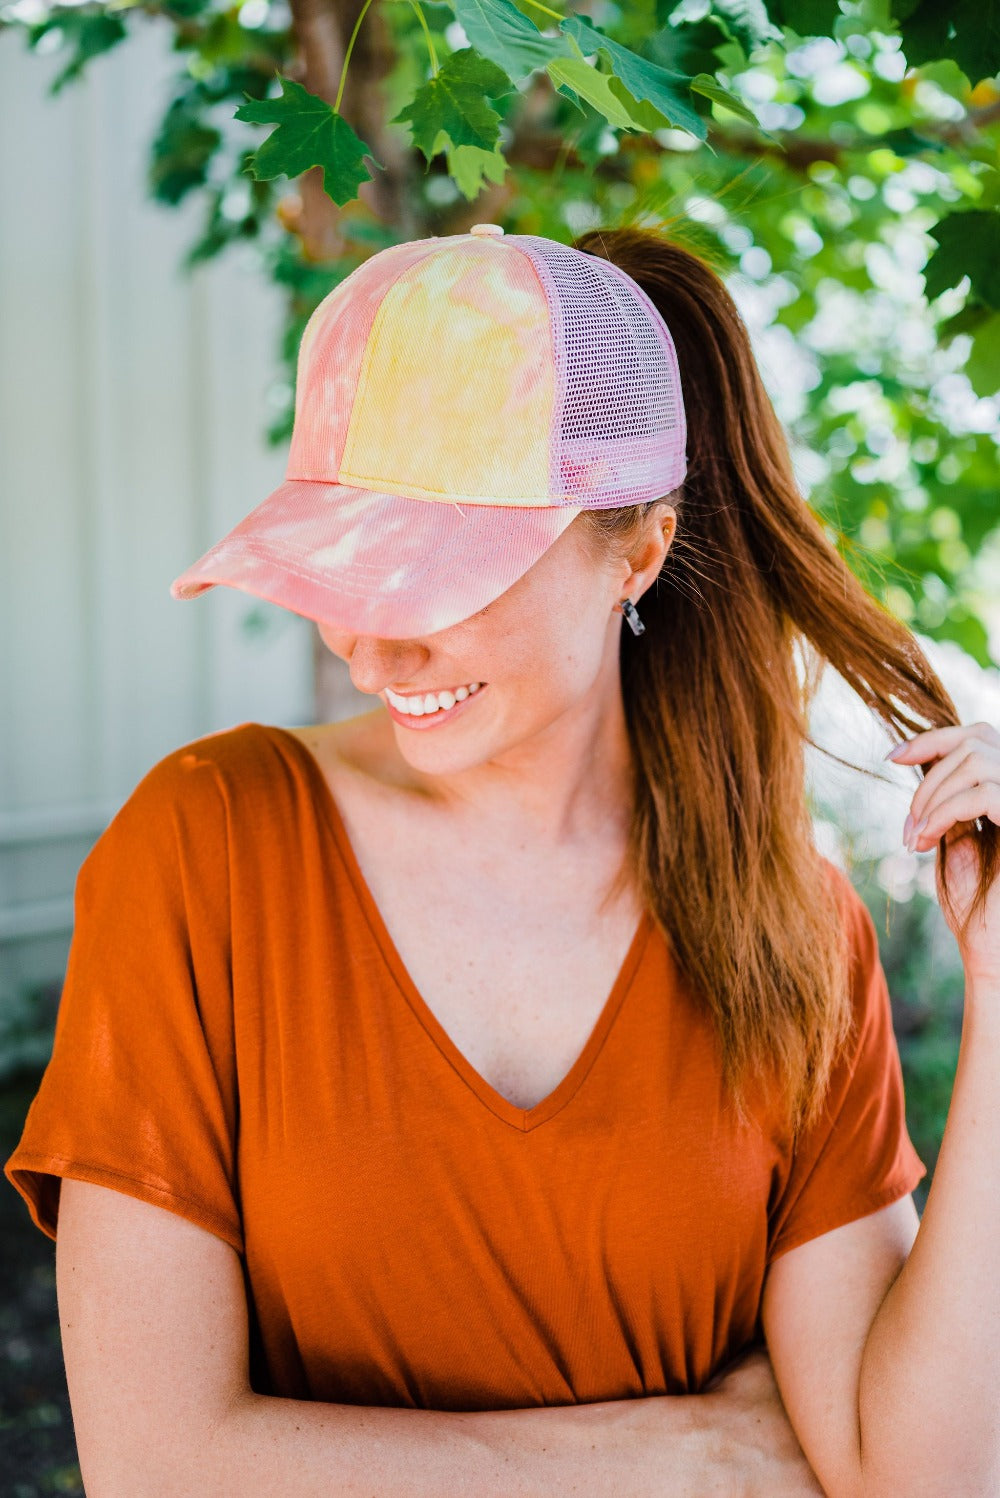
x=631, y=613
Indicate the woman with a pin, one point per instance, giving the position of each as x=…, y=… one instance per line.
x=449, y=1099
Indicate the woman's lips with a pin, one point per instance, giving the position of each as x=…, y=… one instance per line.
x=431, y=720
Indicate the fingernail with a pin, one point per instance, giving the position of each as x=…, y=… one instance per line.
x=907, y=831
x=893, y=752
x=920, y=827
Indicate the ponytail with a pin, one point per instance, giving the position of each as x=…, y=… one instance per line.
x=751, y=605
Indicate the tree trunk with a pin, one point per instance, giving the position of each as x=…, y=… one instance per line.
x=322, y=31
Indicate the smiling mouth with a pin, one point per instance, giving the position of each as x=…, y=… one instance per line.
x=426, y=703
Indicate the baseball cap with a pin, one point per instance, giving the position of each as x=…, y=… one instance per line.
x=459, y=400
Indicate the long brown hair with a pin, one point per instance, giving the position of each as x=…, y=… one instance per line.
x=752, y=603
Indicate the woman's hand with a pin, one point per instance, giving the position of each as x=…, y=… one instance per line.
x=731, y=1440
x=745, y=1408
x=961, y=786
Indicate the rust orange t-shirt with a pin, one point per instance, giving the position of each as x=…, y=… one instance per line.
x=239, y=1042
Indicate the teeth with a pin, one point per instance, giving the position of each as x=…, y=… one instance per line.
x=432, y=702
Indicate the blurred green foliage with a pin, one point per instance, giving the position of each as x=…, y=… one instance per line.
x=836, y=159
x=27, y=1025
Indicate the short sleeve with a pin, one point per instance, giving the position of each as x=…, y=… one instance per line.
x=140, y=1091
x=858, y=1156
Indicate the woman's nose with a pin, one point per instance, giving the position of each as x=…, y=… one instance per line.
x=376, y=663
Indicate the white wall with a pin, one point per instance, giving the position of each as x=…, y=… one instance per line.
x=132, y=402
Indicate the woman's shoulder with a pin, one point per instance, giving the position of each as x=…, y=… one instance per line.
x=228, y=759
x=190, y=793
x=259, y=775
x=196, y=770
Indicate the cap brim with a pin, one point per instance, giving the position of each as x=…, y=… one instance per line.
x=374, y=563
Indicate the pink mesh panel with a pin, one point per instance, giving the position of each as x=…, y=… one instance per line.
x=330, y=354
x=620, y=431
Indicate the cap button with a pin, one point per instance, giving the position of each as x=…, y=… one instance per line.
x=487, y=230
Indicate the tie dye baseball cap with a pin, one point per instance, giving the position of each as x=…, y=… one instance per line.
x=459, y=400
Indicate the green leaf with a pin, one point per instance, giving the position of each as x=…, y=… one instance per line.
x=310, y=133
x=188, y=8
x=906, y=142
x=471, y=167
x=807, y=17
x=966, y=30
x=89, y=34
x=593, y=86
x=968, y=245
x=665, y=90
x=454, y=101
x=705, y=84
x=948, y=76
x=644, y=116
x=983, y=363
x=182, y=152
x=689, y=48
x=968, y=320
x=567, y=93
x=501, y=32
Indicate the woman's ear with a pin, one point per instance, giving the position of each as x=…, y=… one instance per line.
x=648, y=558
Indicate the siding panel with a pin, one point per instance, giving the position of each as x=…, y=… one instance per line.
x=132, y=401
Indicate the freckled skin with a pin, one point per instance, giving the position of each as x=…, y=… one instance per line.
x=508, y=822
x=547, y=653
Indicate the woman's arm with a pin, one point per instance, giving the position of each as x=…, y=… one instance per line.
x=913, y=1402
x=930, y=1376
x=733, y=1443
x=154, y=1325
x=885, y=1334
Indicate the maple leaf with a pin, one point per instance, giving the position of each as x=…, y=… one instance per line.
x=310, y=133
x=470, y=166
x=454, y=102
x=704, y=83
x=505, y=35
x=644, y=81
x=578, y=74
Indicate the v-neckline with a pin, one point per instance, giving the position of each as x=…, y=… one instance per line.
x=523, y=1119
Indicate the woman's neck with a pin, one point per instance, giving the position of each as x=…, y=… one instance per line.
x=564, y=786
